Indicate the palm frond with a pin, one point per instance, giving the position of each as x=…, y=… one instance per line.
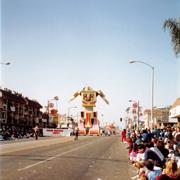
x=174, y=26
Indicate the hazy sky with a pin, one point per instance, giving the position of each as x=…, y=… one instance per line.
x=59, y=46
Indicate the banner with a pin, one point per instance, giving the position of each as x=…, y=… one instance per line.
x=56, y=132
x=88, y=120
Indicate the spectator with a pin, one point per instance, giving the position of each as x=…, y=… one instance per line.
x=133, y=154
x=76, y=133
x=170, y=171
x=123, y=135
x=141, y=152
x=150, y=173
x=157, y=154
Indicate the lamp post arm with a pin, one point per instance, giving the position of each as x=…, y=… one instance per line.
x=142, y=62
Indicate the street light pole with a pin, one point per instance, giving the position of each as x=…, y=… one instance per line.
x=152, y=89
x=152, y=99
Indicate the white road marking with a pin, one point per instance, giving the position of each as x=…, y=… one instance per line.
x=40, y=162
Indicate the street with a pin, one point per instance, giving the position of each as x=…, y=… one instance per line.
x=90, y=158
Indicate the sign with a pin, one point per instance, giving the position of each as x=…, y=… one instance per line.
x=175, y=112
x=173, y=120
x=56, y=132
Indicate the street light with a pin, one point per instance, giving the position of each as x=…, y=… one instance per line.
x=152, y=88
x=137, y=111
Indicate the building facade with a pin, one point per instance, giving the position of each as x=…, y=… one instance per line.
x=161, y=117
x=175, y=111
x=17, y=110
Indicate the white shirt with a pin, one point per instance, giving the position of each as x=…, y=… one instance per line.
x=140, y=156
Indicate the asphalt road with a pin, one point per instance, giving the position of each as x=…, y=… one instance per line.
x=89, y=158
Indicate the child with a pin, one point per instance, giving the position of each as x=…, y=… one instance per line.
x=133, y=154
x=150, y=173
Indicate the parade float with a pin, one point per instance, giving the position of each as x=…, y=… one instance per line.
x=89, y=123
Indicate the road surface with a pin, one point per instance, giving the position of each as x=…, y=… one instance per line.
x=63, y=158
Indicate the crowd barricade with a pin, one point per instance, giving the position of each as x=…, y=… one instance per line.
x=57, y=132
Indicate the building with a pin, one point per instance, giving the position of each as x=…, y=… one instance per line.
x=17, y=110
x=175, y=111
x=147, y=118
x=161, y=117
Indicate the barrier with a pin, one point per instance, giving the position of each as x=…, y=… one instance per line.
x=56, y=132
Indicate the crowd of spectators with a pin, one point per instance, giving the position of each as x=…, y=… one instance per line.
x=155, y=153
x=13, y=133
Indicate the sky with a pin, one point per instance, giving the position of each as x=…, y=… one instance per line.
x=57, y=47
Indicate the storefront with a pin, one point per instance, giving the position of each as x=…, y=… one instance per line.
x=175, y=110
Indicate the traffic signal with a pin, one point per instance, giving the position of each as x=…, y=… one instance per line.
x=120, y=119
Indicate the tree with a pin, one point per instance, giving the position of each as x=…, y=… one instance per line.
x=174, y=26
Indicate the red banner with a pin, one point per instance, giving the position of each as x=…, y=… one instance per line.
x=88, y=120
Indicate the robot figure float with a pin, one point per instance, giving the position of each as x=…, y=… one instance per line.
x=89, y=123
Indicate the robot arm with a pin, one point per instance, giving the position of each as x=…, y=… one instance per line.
x=101, y=94
x=75, y=95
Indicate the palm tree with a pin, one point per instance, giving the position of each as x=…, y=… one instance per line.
x=174, y=26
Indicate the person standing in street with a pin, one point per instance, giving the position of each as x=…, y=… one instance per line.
x=36, y=132
x=123, y=135
x=76, y=133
